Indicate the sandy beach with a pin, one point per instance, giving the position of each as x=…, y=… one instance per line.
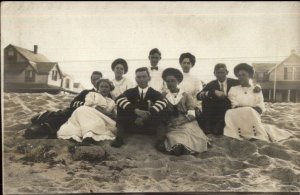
x=228, y=166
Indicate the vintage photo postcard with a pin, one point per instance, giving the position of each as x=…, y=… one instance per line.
x=150, y=97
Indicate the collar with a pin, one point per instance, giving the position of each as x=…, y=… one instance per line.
x=224, y=82
x=172, y=99
x=144, y=90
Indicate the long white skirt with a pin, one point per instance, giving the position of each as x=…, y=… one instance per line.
x=188, y=134
x=88, y=122
x=245, y=123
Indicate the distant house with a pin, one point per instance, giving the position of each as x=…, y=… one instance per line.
x=280, y=81
x=78, y=87
x=67, y=82
x=30, y=71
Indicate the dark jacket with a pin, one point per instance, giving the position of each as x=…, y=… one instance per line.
x=213, y=108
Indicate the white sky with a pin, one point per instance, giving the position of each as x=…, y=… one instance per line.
x=87, y=36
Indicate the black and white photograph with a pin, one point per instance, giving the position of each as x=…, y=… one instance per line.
x=150, y=97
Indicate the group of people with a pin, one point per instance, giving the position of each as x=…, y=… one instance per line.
x=173, y=104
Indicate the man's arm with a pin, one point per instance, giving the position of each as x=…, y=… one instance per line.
x=123, y=102
x=206, y=92
x=160, y=103
x=79, y=100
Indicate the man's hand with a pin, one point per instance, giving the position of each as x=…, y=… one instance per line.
x=256, y=89
x=220, y=94
x=142, y=113
x=139, y=121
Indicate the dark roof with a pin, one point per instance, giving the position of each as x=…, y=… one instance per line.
x=30, y=55
x=263, y=67
x=285, y=85
x=45, y=67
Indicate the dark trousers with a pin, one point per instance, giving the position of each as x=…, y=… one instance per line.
x=154, y=125
x=211, y=120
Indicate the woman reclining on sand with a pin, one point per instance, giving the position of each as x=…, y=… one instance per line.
x=183, y=136
x=94, y=121
x=244, y=122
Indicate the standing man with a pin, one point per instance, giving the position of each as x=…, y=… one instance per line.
x=156, y=82
x=140, y=110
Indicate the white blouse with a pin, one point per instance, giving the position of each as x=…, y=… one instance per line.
x=245, y=96
x=121, y=86
x=94, y=99
x=191, y=84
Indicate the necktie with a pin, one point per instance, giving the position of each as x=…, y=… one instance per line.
x=154, y=68
x=222, y=87
x=142, y=95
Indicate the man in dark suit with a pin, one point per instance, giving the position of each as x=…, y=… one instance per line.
x=215, y=102
x=140, y=110
x=48, y=123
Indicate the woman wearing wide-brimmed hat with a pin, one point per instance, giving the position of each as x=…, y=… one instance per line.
x=121, y=83
x=183, y=136
x=244, y=120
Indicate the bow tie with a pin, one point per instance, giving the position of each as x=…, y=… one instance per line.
x=154, y=68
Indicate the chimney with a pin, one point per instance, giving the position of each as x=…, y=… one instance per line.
x=35, y=49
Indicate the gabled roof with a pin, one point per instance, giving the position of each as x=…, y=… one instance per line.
x=30, y=55
x=45, y=67
x=292, y=57
x=39, y=62
x=263, y=67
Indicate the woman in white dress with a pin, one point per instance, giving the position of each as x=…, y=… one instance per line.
x=243, y=121
x=183, y=135
x=120, y=67
x=94, y=121
x=191, y=84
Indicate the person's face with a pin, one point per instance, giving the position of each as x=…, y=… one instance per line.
x=154, y=59
x=221, y=74
x=142, y=79
x=243, y=77
x=172, y=82
x=186, y=65
x=119, y=70
x=104, y=89
x=95, y=78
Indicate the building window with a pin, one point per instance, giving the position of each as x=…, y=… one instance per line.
x=54, y=75
x=297, y=73
x=11, y=54
x=67, y=83
x=288, y=73
x=260, y=76
x=29, y=75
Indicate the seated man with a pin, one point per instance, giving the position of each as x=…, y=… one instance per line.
x=215, y=102
x=140, y=110
x=48, y=123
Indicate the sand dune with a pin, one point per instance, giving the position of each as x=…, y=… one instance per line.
x=229, y=165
